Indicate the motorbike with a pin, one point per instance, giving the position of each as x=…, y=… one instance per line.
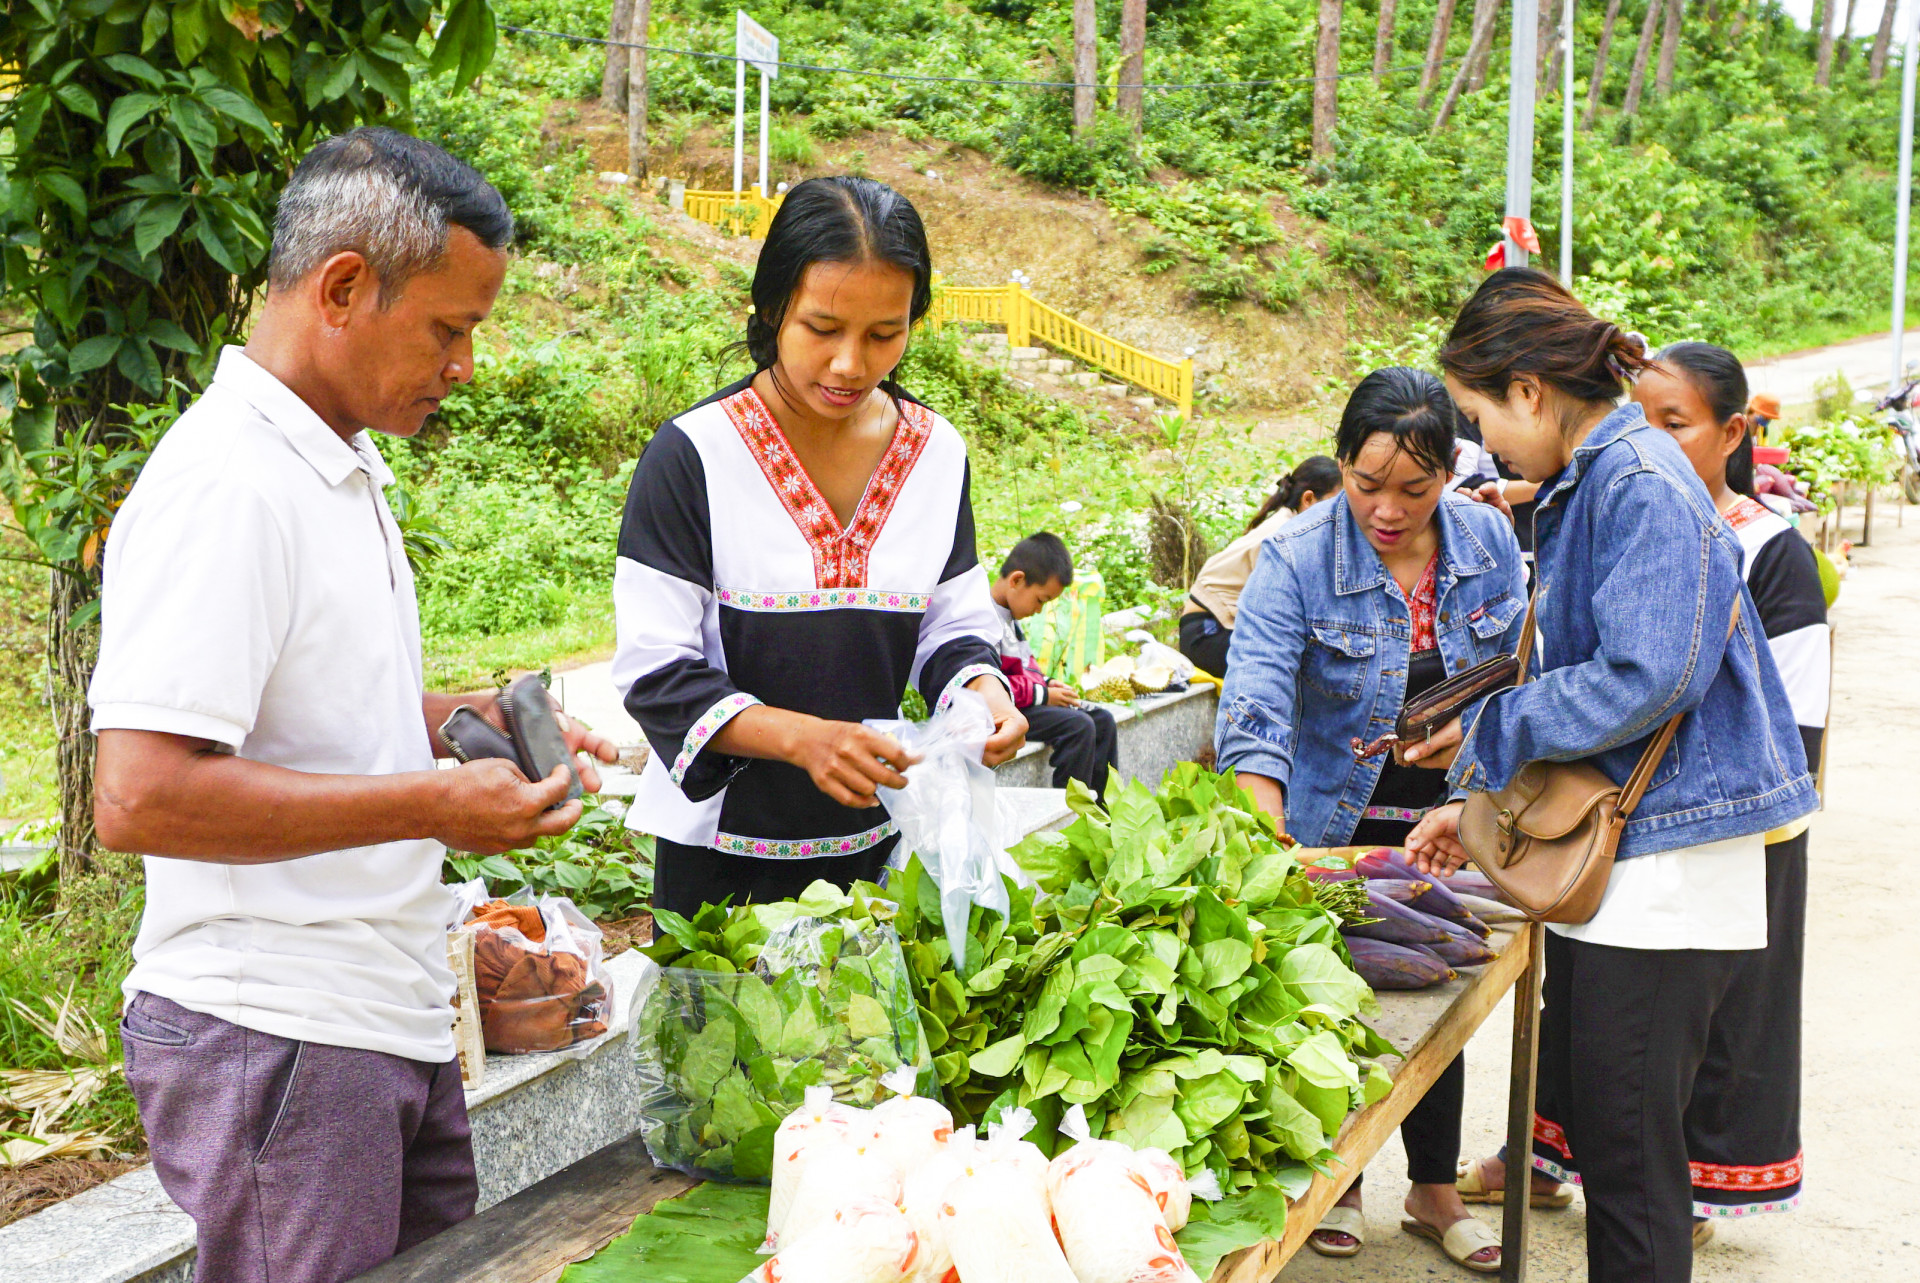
x=1898, y=407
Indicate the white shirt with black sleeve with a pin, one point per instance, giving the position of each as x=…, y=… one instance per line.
x=736, y=585
x=257, y=595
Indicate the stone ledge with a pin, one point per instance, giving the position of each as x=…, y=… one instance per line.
x=1155, y=733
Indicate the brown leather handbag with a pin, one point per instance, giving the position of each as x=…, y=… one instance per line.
x=1548, y=839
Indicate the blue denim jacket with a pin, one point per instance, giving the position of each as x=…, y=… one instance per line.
x=1321, y=647
x=1639, y=577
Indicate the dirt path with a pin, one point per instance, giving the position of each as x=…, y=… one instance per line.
x=1861, y=1125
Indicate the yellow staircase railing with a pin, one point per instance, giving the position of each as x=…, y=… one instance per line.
x=1028, y=321
x=1026, y=318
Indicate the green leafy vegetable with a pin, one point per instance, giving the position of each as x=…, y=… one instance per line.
x=711, y=1235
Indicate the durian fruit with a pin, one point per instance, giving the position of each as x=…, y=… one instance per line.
x=1111, y=682
x=1153, y=679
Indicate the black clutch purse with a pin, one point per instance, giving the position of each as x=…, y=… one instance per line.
x=533, y=741
x=1428, y=712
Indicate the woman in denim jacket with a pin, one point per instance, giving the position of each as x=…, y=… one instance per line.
x=1353, y=606
x=1638, y=580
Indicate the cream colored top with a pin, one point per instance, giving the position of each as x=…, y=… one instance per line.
x=1222, y=579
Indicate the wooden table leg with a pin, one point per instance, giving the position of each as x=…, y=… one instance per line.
x=1526, y=1027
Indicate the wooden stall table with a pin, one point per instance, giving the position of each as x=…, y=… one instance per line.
x=580, y=1209
x=1431, y=1026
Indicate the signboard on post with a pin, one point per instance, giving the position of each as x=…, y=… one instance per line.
x=752, y=43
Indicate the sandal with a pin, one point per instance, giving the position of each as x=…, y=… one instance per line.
x=1460, y=1241
x=1350, y=1221
x=1473, y=1189
x=1702, y=1233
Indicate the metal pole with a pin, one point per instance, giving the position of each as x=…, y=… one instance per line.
x=1525, y=45
x=1566, y=147
x=1904, y=202
x=764, y=189
x=739, y=117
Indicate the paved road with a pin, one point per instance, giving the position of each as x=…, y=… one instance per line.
x=1866, y=362
x=1861, y=1211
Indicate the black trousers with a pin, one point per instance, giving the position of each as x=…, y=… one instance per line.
x=1204, y=640
x=1623, y=1032
x=1431, y=1131
x=687, y=877
x=1083, y=740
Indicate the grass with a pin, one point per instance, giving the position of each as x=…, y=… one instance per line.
x=471, y=661
x=27, y=784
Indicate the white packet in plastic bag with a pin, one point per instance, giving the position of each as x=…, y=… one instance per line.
x=946, y=813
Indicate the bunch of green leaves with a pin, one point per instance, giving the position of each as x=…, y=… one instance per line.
x=757, y=1003
x=1849, y=449
x=600, y=864
x=1171, y=971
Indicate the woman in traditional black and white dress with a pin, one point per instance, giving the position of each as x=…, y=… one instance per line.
x=1743, y=1125
x=795, y=549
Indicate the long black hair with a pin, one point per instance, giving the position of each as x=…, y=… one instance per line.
x=1717, y=375
x=840, y=219
x=1522, y=321
x=1316, y=473
x=1411, y=406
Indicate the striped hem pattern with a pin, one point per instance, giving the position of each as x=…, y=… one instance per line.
x=802, y=848
x=705, y=729
x=804, y=599
x=965, y=675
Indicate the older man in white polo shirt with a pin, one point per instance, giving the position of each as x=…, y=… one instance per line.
x=265, y=740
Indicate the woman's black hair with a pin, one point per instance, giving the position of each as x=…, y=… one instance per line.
x=1523, y=322
x=1411, y=406
x=1717, y=375
x=840, y=219
x=1316, y=473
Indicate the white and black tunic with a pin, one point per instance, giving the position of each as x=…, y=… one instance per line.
x=1743, y=1123
x=736, y=585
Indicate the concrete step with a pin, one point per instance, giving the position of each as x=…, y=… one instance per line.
x=1112, y=389
x=1025, y=353
x=1026, y=366
x=1048, y=380
x=989, y=339
x=1058, y=365
x=1144, y=402
x=1084, y=379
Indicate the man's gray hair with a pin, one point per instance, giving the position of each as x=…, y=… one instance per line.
x=388, y=196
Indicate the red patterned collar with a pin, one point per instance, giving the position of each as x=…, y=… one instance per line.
x=839, y=555
x=1746, y=512
x=1420, y=608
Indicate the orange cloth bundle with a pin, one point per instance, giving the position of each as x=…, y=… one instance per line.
x=537, y=971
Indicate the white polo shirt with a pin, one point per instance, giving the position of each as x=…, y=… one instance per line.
x=257, y=595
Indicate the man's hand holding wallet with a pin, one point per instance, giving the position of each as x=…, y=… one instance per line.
x=533, y=735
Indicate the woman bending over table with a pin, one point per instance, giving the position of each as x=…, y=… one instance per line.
x=1370, y=598
x=795, y=549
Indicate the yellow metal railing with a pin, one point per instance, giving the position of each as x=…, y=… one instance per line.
x=745, y=213
x=1026, y=318
x=1030, y=321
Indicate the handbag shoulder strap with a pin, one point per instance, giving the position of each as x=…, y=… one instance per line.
x=1649, y=760
x=1525, y=652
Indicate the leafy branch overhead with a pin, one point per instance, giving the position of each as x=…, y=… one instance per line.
x=150, y=141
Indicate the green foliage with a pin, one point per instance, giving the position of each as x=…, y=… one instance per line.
x=1847, y=449
x=600, y=864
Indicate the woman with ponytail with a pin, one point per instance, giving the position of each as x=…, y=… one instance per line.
x=1206, y=625
x=1639, y=584
x=795, y=549
x=1743, y=1125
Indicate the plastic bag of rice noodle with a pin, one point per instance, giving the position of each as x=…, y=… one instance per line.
x=840, y=1173
x=994, y=1215
x=911, y=1129
x=1165, y=1179
x=866, y=1240
x=921, y=1198
x=818, y=1122
x=1110, y=1226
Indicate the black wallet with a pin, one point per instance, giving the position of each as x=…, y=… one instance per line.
x=533, y=741
x=1427, y=713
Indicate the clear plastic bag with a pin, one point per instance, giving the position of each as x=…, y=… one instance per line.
x=946, y=813
x=725, y=1056
x=539, y=969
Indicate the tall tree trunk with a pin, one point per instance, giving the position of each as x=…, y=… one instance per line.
x=1437, y=48
x=70, y=654
x=1383, y=40
x=1132, y=102
x=1545, y=45
x=1669, y=48
x=1823, y=58
x=613, y=80
x=1846, y=37
x=1086, y=65
x=1326, y=66
x=1882, y=41
x=1743, y=11
x=642, y=18
x=1599, y=75
x=1480, y=58
x=1484, y=14
x=1637, y=78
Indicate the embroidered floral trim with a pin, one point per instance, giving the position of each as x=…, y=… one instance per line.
x=1565, y=1175
x=1553, y=1134
x=801, y=848
x=703, y=730
x=839, y=556
x=1746, y=512
x=1420, y=608
x=1770, y=1176
x=1407, y=814
x=1734, y=1211
x=965, y=675
x=824, y=599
